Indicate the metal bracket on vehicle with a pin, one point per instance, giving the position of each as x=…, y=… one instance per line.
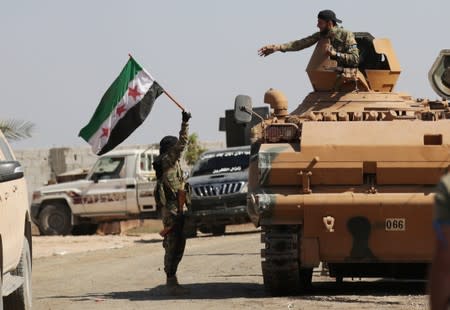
x=306, y=176
x=328, y=221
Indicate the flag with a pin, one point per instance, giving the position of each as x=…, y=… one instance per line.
x=122, y=109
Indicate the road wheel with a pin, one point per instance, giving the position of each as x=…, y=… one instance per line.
x=22, y=297
x=55, y=219
x=218, y=230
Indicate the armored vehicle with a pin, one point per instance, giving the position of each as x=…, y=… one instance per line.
x=347, y=178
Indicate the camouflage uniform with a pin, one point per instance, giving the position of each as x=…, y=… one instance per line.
x=166, y=190
x=343, y=42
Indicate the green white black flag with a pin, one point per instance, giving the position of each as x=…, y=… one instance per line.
x=123, y=107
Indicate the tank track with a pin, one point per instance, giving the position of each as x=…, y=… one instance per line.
x=280, y=263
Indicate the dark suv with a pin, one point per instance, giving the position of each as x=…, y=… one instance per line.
x=219, y=189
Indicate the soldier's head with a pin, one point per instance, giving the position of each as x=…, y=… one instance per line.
x=326, y=20
x=166, y=143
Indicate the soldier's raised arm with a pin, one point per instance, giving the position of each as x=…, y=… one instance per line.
x=292, y=46
x=174, y=153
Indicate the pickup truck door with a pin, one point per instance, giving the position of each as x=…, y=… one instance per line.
x=13, y=202
x=8, y=222
x=107, y=193
x=146, y=181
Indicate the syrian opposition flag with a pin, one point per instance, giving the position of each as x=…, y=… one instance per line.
x=122, y=109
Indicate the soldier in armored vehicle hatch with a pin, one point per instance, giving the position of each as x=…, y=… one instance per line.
x=343, y=47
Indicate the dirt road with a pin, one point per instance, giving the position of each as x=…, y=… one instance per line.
x=221, y=272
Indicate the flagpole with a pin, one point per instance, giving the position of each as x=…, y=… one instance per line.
x=167, y=94
x=173, y=100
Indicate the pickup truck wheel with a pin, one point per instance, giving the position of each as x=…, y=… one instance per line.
x=54, y=219
x=218, y=230
x=22, y=297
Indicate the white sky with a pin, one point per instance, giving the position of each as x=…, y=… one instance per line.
x=59, y=57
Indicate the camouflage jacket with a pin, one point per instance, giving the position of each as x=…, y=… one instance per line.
x=172, y=178
x=343, y=41
x=442, y=199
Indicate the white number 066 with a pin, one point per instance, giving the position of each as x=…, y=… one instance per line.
x=395, y=224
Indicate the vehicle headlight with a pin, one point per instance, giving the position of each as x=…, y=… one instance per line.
x=244, y=188
x=281, y=132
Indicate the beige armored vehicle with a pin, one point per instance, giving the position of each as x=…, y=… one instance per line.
x=15, y=233
x=347, y=178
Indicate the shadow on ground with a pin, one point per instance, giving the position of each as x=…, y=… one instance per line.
x=346, y=292
x=197, y=291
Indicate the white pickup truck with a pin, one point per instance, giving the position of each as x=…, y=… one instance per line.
x=119, y=186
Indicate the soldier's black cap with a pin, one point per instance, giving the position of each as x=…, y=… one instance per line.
x=327, y=15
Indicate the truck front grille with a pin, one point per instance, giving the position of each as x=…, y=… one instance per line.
x=217, y=189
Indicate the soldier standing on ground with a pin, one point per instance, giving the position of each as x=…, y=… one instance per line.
x=343, y=47
x=170, y=185
x=439, y=284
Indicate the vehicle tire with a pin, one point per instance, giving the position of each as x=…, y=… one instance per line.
x=21, y=299
x=55, y=219
x=218, y=230
x=205, y=229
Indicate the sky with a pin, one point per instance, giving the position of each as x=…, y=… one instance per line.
x=58, y=57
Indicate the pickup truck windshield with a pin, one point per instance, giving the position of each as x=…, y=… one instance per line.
x=222, y=162
x=109, y=168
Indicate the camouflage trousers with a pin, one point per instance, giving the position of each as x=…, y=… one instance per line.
x=174, y=243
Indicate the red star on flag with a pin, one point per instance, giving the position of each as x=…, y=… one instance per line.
x=133, y=92
x=105, y=132
x=120, y=109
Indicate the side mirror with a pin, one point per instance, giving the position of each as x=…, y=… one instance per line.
x=439, y=74
x=10, y=170
x=243, y=109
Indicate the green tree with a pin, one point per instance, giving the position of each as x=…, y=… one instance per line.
x=193, y=149
x=15, y=130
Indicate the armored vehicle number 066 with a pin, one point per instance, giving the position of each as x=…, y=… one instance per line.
x=395, y=224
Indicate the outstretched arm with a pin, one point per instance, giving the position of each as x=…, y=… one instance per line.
x=292, y=46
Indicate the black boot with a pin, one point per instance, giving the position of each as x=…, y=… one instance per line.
x=174, y=288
